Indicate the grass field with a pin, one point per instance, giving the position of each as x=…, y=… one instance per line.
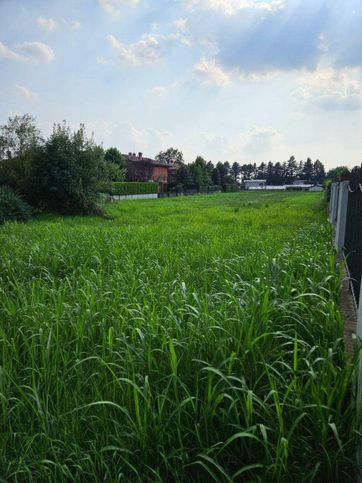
x=194, y=339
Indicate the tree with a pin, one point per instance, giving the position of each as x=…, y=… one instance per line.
x=216, y=177
x=113, y=155
x=199, y=171
x=235, y=171
x=318, y=172
x=335, y=173
x=66, y=172
x=184, y=176
x=308, y=170
x=17, y=136
x=171, y=156
x=291, y=170
x=209, y=170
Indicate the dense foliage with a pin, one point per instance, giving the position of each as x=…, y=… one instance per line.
x=17, y=136
x=61, y=174
x=12, y=206
x=64, y=174
x=131, y=188
x=335, y=174
x=188, y=339
x=171, y=156
x=113, y=155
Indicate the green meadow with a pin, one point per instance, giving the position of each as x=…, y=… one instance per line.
x=187, y=339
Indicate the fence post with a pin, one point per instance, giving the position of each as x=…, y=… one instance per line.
x=333, y=203
x=341, y=215
x=334, y=211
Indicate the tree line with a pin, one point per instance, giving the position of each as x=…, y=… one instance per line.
x=202, y=173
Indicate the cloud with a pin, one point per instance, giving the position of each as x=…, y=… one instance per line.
x=6, y=53
x=116, y=7
x=146, y=50
x=34, y=52
x=259, y=139
x=28, y=94
x=208, y=72
x=48, y=24
x=151, y=48
x=331, y=89
x=180, y=24
x=231, y=7
x=101, y=60
x=162, y=91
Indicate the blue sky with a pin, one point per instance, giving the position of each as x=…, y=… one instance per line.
x=236, y=80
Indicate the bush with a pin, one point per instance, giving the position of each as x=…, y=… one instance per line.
x=328, y=187
x=131, y=188
x=12, y=206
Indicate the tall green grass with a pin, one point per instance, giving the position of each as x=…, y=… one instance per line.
x=192, y=339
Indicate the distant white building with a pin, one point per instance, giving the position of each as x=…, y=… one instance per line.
x=254, y=184
x=300, y=185
x=317, y=187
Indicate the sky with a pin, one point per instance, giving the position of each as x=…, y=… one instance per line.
x=230, y=80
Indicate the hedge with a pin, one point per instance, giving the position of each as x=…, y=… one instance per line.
x=132, y=188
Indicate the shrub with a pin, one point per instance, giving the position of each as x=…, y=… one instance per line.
x=131, y=188
x=12, y=206
x=328, y=187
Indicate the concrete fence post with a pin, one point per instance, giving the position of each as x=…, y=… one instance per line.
x=341, y=215
x=333, y=203
x=334, y=207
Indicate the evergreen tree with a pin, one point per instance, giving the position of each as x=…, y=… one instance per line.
x=235, y=171
x=318, y=172
x=308, y=170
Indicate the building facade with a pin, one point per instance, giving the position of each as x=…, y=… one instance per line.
x=140, y=168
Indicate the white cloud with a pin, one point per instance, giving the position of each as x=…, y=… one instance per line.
x=331, y=89
x=34, y=52
x=48, y=24
x=180, y=24
x=162, y=91
x=259, y=139
x=115, y=7
x=231, y=7
x=28, y=94
x=6, y=53
x=101, y=60
x=208, y=72
x=146, y=50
